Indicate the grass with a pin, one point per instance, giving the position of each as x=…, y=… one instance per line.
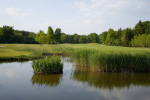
x=106, y=58
x=11, y=52
x=48, y=65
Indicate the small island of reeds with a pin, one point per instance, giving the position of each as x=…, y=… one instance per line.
x=48, y=65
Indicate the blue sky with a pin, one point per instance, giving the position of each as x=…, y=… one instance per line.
x=73, y=16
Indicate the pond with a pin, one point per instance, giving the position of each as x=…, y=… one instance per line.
x=18, y=82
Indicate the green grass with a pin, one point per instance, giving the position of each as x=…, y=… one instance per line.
x=11, y=52
x=106, y=58
x=48, y=65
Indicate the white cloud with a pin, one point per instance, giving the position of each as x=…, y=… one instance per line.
x=105, y=7
x=82, y=6
x=85, y=22
x=15, y=12
x=98, y=11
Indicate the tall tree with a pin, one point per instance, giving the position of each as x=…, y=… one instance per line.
x=110, y=37
x=102, y=37
x=70, y=39
x=50, y=35
x=63, y=38
x=139, y=29
x=31, y=35
x=141, y=40
x=82, y=39
x=93, y=38
x=76, y=38
x=6, y=33
x=118, y=36
x=146, y=26
x=18, y=38
x=127, y=36
x=57, y=35
x=41, y=37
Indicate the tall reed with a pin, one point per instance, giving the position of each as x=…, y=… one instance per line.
x=48, y=65
x=113, y=62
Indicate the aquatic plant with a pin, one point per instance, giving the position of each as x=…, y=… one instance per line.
x=112, y=62
x=48, y=65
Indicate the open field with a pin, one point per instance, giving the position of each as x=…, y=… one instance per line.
x=35, y=50
x=105, y=58
x=95, y=46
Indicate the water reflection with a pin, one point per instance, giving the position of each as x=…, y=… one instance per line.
x=110, y=80
x=48, y=80
x=18, y=82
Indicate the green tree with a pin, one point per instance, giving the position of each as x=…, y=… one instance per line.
x=31, y=38
x=18, y=38
x=6, y=33
x=134, y=41
x=93, y=38
x=76, y=38
x=50, y=35
x=141, y=40
x=70, y=39
x=63, y=38
x=127, y=36
x=1, y=35
x=31, y=35
x=110, y=37
x=102, y=37
x=139, y=29
x=146, y=26
x=41, y=37
x=88, y=39
x=82, y=39
x=57, y=35
x=118, y=36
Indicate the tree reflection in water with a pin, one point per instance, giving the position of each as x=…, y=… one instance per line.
x=48, y=80
x=110, y=80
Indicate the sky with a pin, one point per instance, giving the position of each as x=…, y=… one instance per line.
x=73, y=16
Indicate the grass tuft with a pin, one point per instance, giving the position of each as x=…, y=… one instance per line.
x=48, y=65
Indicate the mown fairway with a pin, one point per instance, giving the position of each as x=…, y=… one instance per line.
x=12, y=50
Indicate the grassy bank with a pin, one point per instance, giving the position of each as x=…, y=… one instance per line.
x=13, y=52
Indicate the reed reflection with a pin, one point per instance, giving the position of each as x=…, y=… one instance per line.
x=48, y=80
x=110, y=80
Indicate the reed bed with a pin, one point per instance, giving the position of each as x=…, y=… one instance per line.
x=48, y=65
x=112, y=62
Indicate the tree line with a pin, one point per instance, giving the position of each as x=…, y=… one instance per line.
x=9, y=35
x=50, y=38
x=139, y=36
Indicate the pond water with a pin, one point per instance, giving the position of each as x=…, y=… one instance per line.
x=18, y=82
